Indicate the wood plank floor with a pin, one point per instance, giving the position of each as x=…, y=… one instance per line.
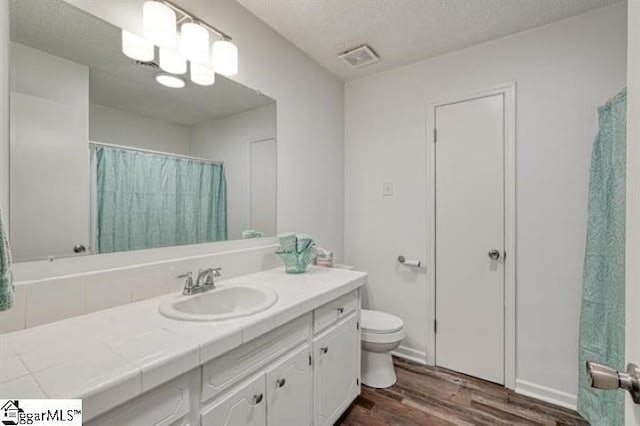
x=436, y=396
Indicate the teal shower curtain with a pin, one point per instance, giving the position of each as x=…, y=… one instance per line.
x=602, y=315
x=147, y=200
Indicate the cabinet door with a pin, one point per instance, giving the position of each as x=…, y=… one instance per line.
x=289, y=390
x=242, y=406
x=336, y=371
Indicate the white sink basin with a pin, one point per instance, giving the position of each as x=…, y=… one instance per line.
x=224, y=302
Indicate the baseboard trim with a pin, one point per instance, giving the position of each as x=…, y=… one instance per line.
x=411, y=354
x=553, y=396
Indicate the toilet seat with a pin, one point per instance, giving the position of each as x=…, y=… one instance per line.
x=377, y=322
x=383, y=337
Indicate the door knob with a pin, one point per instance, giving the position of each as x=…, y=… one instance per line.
x=79, y=248
x=494, y=254
x=605, y=377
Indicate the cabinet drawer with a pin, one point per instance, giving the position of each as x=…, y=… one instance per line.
x=245, y=405
x=164, y=405
x=225, y=370
x=334, y=311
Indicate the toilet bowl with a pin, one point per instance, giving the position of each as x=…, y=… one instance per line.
x=381, y=333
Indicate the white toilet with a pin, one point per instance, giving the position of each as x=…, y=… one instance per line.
x=381, y=333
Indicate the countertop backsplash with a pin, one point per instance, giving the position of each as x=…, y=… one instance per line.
x=46, y=300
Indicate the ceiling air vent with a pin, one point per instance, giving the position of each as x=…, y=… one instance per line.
x=359, y=57
x=147, y=65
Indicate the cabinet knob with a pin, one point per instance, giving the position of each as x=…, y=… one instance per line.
x=340, y=310
x=324, y=349
x=257, y=399
x=281, y=382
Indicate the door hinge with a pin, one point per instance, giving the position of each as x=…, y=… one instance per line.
x=435, y=135
x=310, y=359
x=357, y=381
x=358, y=325
x=435, y=326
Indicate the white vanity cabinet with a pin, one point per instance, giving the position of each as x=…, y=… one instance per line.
x=278, y=397
x=303, y=373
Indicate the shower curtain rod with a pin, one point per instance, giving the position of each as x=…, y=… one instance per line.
x=150, y=151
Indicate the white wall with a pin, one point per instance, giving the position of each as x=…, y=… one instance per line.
x=563, y=71
x=111, y=125
x=227, y=139
x=310, y=112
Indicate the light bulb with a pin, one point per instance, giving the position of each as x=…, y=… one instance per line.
x=159, y=22
x=202, y=74
x=172, y=62
x=194, y=42
x=136, y=47
x=225, y=58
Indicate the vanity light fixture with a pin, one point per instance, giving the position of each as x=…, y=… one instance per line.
x=159, y=22
x=136, y=47
x=172, y=62
x=194, y=42
x=225, y=58
x=169, y=80
x=202, y=75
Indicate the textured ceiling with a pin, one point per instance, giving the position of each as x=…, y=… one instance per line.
x=60, y=29
x=404, y=31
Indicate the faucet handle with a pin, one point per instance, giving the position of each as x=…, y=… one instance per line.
x=189, y=279
x=217, y=272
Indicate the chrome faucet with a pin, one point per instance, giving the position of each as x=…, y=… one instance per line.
x=204, y=282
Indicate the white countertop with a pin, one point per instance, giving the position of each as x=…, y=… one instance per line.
x=111, y=356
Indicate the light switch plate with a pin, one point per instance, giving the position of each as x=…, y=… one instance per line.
x=387, y=188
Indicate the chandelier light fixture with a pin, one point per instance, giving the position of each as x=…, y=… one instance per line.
x=190, y=48
x=194, y=42
x=137, y=47
x=202, y=75
x=170, y=80
x=172, y=62
x=225, y=58
x=159, y=23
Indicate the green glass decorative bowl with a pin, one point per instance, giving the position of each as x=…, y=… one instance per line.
x=296, y=263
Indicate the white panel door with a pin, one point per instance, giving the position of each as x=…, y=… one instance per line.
x=336, y=375
x=243, y=406
x=49, y=178
x=262, y=210
x=469, y=223
x=289, y=398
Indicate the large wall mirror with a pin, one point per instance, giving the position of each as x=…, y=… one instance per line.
x=105, y=159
